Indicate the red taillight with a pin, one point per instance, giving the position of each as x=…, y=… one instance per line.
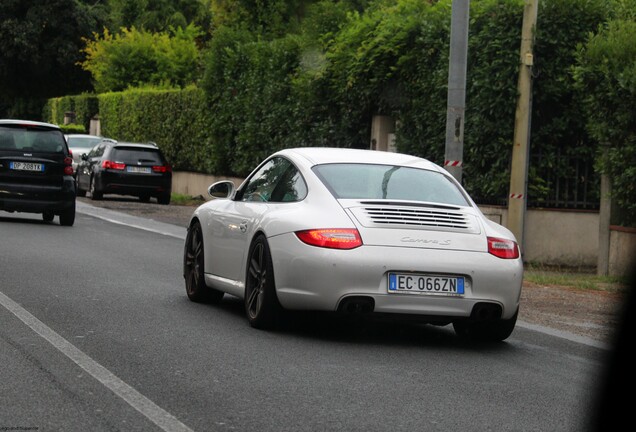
x=113, y=165
x=502, y=248
x=68, y=168
x=162, y=168
x=331, y=238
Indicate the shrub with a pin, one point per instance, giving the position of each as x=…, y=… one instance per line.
x=606, y=76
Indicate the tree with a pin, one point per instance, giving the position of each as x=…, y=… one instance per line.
x=606, y=76
x=159, y=15
x=41, y=44
x=135, y=58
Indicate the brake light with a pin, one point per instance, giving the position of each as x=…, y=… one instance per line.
x=68, y=165
x=162, y=168
x=113, y=165
x=331, y=238
x=502, y=248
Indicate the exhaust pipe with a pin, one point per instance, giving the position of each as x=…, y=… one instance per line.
x=486, y=312
x=356, y=305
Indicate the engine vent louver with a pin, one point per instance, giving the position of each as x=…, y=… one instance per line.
x=420, y=217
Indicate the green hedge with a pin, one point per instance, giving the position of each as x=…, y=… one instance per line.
x=393, y=60
x=606, y=75
x=85, y=107
x=259, y=95
x=177, y=120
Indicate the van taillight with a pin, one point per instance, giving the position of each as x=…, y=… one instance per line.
x=162, y=168
x=113, y=165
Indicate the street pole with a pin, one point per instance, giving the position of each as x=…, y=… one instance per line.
x=454, y=151
x=517, y=200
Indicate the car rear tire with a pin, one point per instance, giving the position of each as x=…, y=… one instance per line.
x=164, y=198
x=261, y=303
x=79, y=191
x=95, y=194
x=193, y=270
x=486, y=331
x=67, y=216
x=48, y=216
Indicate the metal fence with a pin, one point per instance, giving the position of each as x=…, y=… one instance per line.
x=564, y=182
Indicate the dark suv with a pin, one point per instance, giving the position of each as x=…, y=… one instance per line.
x=36, y=173
x=125, y=169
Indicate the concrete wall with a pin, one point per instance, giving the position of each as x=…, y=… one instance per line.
x=556, y=237
x=622, y=251
x=553, y=237
x=195, y=184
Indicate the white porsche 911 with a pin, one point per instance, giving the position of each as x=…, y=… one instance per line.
x=354, y=231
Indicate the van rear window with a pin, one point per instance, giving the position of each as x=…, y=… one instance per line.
x=31, y=139
x=134, y=155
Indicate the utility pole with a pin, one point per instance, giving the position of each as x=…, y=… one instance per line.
x=454, y=152
x=517, y=200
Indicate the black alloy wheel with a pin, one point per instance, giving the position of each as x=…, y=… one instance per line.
x=261, y=303
x=193, y=270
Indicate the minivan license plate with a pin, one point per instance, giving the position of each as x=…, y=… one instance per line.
x=26, y=166
x=425, y=284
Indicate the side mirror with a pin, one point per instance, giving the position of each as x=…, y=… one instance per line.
x=84, y=157
x=222, y=189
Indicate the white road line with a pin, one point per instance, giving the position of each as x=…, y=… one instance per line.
x=137, y=222
x=145, y=228
x=166, y=421
x=564, y=335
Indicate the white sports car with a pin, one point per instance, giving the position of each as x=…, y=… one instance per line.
x=354, y=231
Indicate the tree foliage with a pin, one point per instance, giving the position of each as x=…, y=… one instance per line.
x=159, y=15
x=606, y=76
x=41, y=43
x=136, y=58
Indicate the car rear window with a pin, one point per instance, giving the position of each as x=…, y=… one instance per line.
x=130, y=155
x=387, y=182
x=31, y=139
x=83, y=142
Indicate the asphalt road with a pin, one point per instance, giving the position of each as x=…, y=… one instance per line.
x=96, y=333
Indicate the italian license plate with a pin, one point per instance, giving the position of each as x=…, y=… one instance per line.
x=26, y=166
x=425, y=284
x=136, y=169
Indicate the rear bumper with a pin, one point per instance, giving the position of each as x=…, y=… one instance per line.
x=316, y=278
x=30, y=198
x=131, y=184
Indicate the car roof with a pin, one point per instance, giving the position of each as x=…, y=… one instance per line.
x=28, y=123
x=138, y=145
x=324, y=155
x=82, y=136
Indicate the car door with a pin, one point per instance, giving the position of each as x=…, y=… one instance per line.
x=236, y=221
x=85, y=168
